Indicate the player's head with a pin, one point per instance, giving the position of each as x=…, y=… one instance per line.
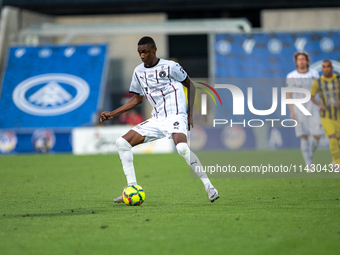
x=147, y=50
x=327, y=68
x=301, y=60
x=147, y=40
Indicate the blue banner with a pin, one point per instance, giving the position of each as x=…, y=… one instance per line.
x=51, y=86
x=38, y=141
x=222, y=138
x=270, y=55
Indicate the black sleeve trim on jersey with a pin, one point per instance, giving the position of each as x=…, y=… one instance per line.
x=134, y=93
x=184, y=79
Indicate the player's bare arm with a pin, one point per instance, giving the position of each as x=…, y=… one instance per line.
x=321, y=106
x=191, y=99
x=290, y=106
x=132, y=103
x=337, y=104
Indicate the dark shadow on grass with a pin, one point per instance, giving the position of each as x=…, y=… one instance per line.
x=70, y=212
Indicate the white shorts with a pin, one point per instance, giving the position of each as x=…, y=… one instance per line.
x=308, y=125
x=154, y=129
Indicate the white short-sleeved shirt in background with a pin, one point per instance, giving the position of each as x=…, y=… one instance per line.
x=162, y=87
x=307, y=125
x=305, y=81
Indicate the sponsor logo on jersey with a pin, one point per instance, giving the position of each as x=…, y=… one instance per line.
x=193, y=162
x=51, y=94
x=162, y=74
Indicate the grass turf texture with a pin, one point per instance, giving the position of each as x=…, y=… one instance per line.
x=62, y=204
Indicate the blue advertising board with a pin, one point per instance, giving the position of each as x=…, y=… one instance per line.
x=222, y=138
x=47, y=91
x=40, y=140
x=270, y=55
x=51, y=86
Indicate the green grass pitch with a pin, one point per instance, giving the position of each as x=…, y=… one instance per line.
x=62, y=204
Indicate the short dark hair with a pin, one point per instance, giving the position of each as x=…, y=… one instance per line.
x=327, y=61
x=147, y=40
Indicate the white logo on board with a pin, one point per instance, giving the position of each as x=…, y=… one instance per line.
x=19, y=52
x=248, y=45
x=326, y=44
x=275, y=139
x=68, y=52
x=45, y=53
x=94, y=51
x=275, y=46
x=50, y=95
x=300, y=43
x=223, y=47
x=51, y=99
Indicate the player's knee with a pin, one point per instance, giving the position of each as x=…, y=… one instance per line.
x=332, y=136
x=122, y=144
x=317, y=137
x=183, y=149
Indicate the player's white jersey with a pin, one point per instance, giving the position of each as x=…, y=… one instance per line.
x=305, y=81
x=162, y=87
x=301, y=80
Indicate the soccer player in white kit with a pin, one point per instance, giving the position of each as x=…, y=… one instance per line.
x=307, y=126
x=161, y=83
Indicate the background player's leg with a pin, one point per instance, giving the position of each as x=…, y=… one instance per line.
x=192, y=160
x=334, y=148
x=124, y=145
x=314, y=146
x=315, y=129
x=305, y=149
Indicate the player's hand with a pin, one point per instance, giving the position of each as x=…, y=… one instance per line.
x=190, y=122
x=292, y=116
x=322, y=107
x=337, y=104
x=105, y=116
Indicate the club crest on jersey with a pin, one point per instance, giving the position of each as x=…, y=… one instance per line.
x=162, y=74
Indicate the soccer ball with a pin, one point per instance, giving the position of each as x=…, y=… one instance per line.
x=133, y=195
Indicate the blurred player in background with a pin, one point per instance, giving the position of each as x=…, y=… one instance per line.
x=307, y=126
x=161, y=82
x=328, y=88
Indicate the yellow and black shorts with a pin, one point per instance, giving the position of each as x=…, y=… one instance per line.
x=331, y=127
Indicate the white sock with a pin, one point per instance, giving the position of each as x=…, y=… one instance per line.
x=305, y=151
x=315, y=143
x=193, y=161
x=126, y=157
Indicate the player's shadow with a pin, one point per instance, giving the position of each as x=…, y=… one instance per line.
x=72, y=212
